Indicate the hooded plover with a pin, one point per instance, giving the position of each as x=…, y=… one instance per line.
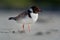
x=27, y=17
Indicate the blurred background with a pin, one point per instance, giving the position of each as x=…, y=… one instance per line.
x=49, y=5
x=47, y=26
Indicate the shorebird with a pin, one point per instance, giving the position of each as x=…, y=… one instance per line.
x=27, y=17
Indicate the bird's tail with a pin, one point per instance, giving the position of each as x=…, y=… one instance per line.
x=12, y=18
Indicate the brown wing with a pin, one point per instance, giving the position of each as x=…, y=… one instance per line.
x=21, y=15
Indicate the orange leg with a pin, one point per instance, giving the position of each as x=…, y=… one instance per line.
x=29, y=27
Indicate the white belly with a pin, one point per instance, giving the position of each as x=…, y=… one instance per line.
x=34, y=17
x=27, y=20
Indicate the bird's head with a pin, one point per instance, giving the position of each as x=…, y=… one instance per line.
x=36, y=9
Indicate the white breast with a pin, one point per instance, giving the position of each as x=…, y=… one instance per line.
x=27, y=20
x=34, y=16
